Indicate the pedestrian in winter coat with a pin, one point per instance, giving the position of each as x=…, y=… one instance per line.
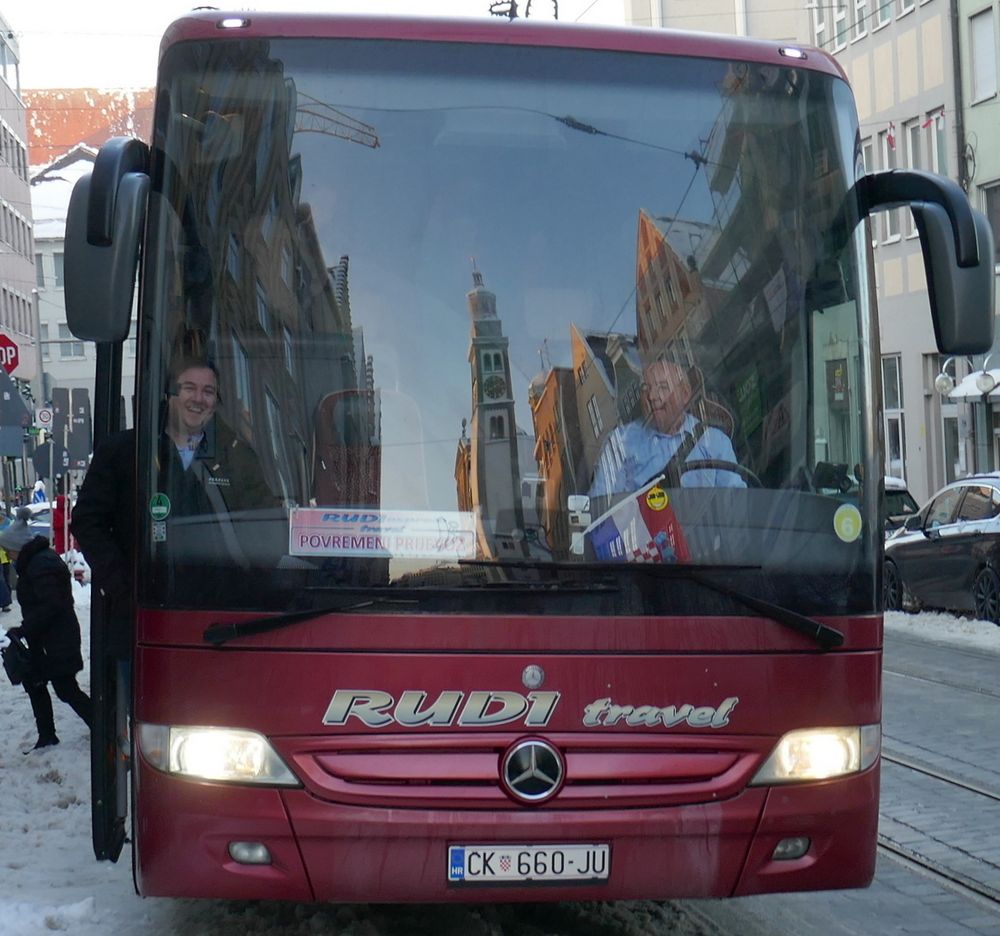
x=5, y=595
x=49, y=626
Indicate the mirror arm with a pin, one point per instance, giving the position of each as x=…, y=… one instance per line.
x=898, y=187
x=115, y=158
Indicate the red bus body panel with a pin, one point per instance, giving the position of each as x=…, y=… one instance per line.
x=204, y=26
x=379, y=807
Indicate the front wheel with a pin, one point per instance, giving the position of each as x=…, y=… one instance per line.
x=892, y=587
x=986, y=596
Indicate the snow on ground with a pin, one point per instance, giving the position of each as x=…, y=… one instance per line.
x=945, y=628
x=50, y=882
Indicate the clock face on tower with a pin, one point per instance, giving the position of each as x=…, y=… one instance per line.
x=495, y=387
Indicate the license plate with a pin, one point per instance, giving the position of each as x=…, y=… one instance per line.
x=500, y=864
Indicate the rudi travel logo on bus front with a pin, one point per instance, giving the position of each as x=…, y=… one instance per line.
x=455, y=708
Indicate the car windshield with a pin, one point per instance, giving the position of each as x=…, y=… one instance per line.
x=419, y=313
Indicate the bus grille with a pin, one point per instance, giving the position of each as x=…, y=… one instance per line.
x=453, y=772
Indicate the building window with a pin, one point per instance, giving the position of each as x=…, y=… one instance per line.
x=43, y=341
x=982, y=43
x=233, y=257
x=883, y=13
x=68, y=348
x=241, y=373
x=286, y=266
x=868, y=154
x=905, y=6
x=498, y=428
x=861, y=18
x=263, y=314
x=887, y=145
x=273, y=210
x=839, y=25
x=39, y=272
x=819, y=23
x=594, y=411
x=913, y=133
x=289, y=358
x=57, y=259
x=892, y=395
x=937, y=143
x=277, y=444
x=991, y=208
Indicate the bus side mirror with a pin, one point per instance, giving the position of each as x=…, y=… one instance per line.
x=103, y=228
x=957, y=245
x=962, y=298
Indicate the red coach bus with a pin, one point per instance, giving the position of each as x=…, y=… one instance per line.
x=546, y=343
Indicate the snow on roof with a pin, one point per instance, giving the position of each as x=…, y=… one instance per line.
x=51, y=187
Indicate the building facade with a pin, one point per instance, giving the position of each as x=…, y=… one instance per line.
x=17, y=274
x=67, y=364
x=978, y=40
x=19, y=376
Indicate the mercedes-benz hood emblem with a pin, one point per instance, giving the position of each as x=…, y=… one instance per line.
x=532, y=771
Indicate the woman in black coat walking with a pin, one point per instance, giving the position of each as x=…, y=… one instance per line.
x=48, y=625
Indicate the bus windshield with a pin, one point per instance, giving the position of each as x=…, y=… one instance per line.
x=435, y=317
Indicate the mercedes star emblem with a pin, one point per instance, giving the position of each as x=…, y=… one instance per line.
x=532, y=771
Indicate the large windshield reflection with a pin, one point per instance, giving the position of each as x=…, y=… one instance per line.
x=583, y=309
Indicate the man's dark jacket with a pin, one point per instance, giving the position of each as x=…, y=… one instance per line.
x=49, y=624
x=225, y=476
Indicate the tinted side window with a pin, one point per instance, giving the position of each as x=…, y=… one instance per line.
x=899, y=502
x=943, y=508
x=979, y=503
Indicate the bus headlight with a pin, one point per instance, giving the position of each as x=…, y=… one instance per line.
x=820, y=754
x=230, y=755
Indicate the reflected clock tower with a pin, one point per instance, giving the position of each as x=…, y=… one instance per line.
x=494, y=471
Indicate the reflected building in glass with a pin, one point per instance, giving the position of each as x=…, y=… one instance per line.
x=273, y=314
x=492, y=449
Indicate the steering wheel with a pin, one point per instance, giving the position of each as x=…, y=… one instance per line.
x=674, y=472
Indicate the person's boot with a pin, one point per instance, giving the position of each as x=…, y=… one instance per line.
x=43, y=742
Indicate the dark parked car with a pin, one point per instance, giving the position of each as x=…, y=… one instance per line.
x=899, y=504
x=948, y=554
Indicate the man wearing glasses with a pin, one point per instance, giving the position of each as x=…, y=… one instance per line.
x=669, y=440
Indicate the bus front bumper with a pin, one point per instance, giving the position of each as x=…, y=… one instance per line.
x=325, y=851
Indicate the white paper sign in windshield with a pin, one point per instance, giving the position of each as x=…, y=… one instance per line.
x=373, y=533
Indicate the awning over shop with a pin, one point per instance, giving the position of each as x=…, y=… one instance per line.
x=967, y=389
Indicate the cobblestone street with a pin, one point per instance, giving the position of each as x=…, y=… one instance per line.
x=941, y=708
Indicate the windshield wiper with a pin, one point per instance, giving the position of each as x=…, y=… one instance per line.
x=221, y=632
x=824, y=635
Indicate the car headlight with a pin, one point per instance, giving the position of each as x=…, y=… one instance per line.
x=230, y=755
x=820, y=754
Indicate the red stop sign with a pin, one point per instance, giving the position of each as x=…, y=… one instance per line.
x=9, y=355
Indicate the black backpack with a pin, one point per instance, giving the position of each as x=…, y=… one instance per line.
x=16, y=661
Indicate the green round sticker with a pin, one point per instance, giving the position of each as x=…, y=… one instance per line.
x=847, y=523
x=159, y=506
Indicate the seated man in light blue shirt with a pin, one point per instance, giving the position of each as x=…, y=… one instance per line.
x=634, y=454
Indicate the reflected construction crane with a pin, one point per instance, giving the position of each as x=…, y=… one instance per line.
x=508, y=8
x=315, y=116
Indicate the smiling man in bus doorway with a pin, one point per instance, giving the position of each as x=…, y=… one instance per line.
x=202, y=468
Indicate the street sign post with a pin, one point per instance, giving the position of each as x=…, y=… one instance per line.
x=9, y=354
